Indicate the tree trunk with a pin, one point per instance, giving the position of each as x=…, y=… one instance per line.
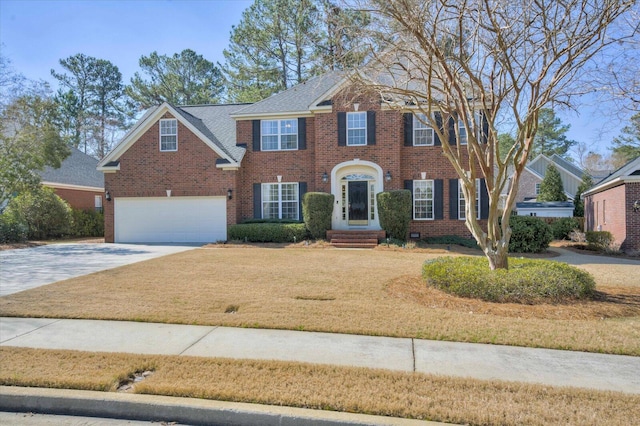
x=498, y=259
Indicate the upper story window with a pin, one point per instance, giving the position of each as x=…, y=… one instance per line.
x=356, y=128
x=169, y=134
x=462, y=214
x=280, y=201
x=462, y=132
x=423, y=199
x=279, y=135
x=422, y=132
x=537, y=189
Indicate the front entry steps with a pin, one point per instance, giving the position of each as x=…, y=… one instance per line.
x=355, y=239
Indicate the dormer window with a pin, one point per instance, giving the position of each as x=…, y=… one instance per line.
x=169, y=134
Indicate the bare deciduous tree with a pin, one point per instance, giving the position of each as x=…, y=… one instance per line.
x=479, y=61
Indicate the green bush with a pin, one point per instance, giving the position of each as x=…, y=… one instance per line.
x=268, y=232
x=529, y=235
x=453, y=239
x=526, y=281
x=563, y=226
x=45, y=214
x=317, y=208
x=87, y=223
x=394, y=210
x=12, y=230
x=599, y=240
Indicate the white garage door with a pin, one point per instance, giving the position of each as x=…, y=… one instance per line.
x=170, y=220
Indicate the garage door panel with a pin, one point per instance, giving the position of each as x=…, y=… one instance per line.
x=170, y=220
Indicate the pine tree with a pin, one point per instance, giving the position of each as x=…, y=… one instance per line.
x=551, y=188
x=587, y=182
x=551, y=137
x=627, y=145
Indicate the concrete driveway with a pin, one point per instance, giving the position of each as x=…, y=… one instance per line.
x=32, y=267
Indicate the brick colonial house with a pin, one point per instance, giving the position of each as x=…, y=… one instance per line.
x=183, y=174
x=76, y=181
x=613, y=205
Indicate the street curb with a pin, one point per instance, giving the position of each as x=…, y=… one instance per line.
x=189, y=411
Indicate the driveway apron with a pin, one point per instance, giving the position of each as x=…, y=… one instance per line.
x=24, y=269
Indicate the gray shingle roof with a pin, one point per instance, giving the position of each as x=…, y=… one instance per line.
x=629, y=169
x=77, y=169
x=215, y=122
x=546, y=204
x=295, y=99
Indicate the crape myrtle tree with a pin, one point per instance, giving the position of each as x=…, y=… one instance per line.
x=493, y=58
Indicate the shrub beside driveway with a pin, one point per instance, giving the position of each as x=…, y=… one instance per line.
x=377, y=292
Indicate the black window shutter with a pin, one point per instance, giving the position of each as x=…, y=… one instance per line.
x=438, y=117
x=302, y=189
x=342, y=129
x=371, y=127
x=302, y=133
x=408, y=184
x=438, y=199
x=452, y=130
x=408, y=129
x=484, y=200
x=257, y=201
x=256, y=135
x=485, y=128
x=453, y=198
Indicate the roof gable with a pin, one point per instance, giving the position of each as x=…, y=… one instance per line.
x=220, y=137
x=630, y=172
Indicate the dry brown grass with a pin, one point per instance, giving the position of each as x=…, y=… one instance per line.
x=375, y=292
x=358, y=390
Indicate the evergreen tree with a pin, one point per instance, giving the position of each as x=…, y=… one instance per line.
x=505, y=142
x=185, y=78
x=587, y=182
x=551, y=188
x=627, y=145
x=551, y=136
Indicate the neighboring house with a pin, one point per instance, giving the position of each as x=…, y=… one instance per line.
x=77, y=181
x=613, y=205
x=183, y=174
x=535, y=170
x=546, y=209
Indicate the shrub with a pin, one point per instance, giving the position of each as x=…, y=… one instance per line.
x=599, y=240
x=317, y=208
x=529, y=235
x=87, y=223
x=45, y=214
x=453, y=239
x=12, y=230
x=526, y=281
x=563, y=226
x=394, y=210
x=268, y=232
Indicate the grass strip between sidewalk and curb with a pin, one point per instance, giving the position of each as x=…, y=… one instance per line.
x=356, y=390
x=369, y=292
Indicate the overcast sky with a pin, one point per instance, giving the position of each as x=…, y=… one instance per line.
x=36, y=34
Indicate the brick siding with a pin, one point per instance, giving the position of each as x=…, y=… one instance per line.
x=79, y=199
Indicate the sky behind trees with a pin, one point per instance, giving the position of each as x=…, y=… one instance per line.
x=36, y=34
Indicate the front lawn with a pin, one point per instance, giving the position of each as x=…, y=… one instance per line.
x=374, y=292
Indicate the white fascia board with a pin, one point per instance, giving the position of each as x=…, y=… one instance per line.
x=74, y=187
x=110, y=169
x=608, y=185
x=330, y=93
x=232, y=166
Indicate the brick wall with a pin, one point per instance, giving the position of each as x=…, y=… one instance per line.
x=605, y=211
x=632, y=194
x=527, y=186
x=79, y=199
x=147, y=172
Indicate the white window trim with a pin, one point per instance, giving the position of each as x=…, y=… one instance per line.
x=279, y=134
x=537, y=189
x=462, y=212
x=172, y=134
x=432, y=199
x=357, y=128
x=416, y=120
x=462, y=128
x=279, y=201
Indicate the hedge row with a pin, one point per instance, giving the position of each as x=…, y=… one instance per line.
x=268, y=232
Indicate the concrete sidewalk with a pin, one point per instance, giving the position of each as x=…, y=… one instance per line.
x=480, y=361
